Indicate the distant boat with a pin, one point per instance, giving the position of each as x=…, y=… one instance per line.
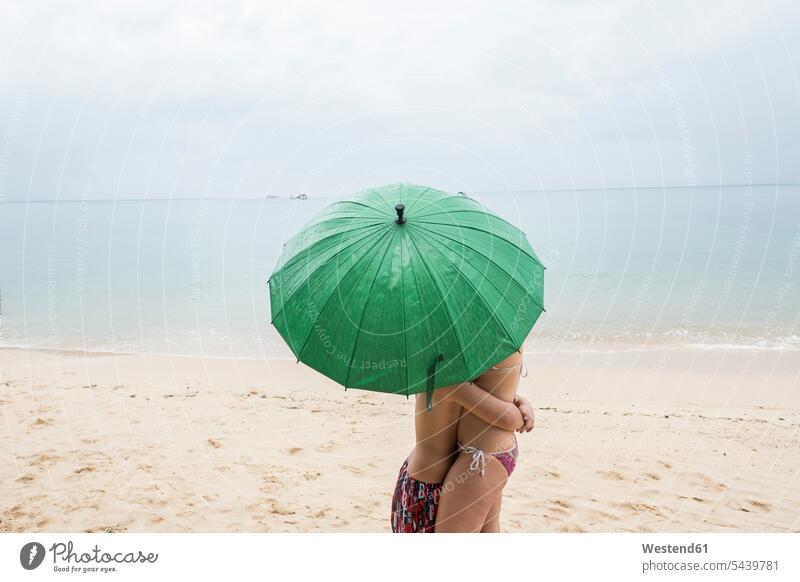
x=299, y=197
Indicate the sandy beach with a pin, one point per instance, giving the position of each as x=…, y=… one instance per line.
x=650, y=440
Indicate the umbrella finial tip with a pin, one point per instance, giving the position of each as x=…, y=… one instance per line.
x=400, y=208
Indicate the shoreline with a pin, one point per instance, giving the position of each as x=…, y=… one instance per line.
x=665, y=440
x=561, y=346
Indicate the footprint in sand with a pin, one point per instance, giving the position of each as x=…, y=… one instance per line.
x=311, y=475
x=79, y=507
x=280, y=510
x=214, y=443
x=653, y=476
x=353, y=469
x=761, y=505
x=294, y=450
x=639, y=508
x=16, y=512
x=708, y=482
x=43, y=421
x=273, y=477
x=116, y=528
x=85, y=469
x=557, y=510
x=613, y=475
x=26, y=478
x=697, y=499
x=601, y=516
x=321, y=513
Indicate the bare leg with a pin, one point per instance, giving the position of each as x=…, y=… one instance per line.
x=468, y=497
x=492, y=523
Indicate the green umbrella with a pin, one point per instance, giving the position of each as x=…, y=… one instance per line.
x=405, y=289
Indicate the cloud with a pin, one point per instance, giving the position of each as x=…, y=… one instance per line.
x=165, y=99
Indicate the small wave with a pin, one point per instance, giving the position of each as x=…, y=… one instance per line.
x=659, y=340
x=269, y=345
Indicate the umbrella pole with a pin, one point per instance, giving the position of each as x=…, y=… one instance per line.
x=431, y=381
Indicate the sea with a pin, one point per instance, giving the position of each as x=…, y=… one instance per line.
x=706, y=268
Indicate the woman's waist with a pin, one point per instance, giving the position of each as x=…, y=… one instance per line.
x=430, y=464
x=488, y=439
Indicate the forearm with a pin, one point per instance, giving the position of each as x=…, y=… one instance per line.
x=490, y=409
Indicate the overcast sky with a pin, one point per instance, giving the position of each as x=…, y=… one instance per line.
x=161, y=99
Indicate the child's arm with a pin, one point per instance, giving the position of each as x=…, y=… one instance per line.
x=475, y=400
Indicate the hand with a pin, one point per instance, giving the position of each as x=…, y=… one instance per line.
x=526, y=410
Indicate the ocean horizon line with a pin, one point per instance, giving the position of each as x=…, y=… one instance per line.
x=179, y=198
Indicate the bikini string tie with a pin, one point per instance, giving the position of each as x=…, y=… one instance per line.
x=478, y=459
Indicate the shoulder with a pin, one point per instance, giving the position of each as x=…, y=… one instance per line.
x=511, y=360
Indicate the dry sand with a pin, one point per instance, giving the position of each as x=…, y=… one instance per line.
x=660, y=440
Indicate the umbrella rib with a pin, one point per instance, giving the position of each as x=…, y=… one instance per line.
x=315, y=271
x=475, y=289
x=441, y=299
x=364, y=311
x=419, y=298
x=316, y=242
x=510, y=276
x=482, y=211
x=319, y=312
x=379, y=194
x=417, y=199
x=533, y=258
x=403, y=301
x=367, y=206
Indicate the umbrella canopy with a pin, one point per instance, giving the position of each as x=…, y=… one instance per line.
x=404, y=289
